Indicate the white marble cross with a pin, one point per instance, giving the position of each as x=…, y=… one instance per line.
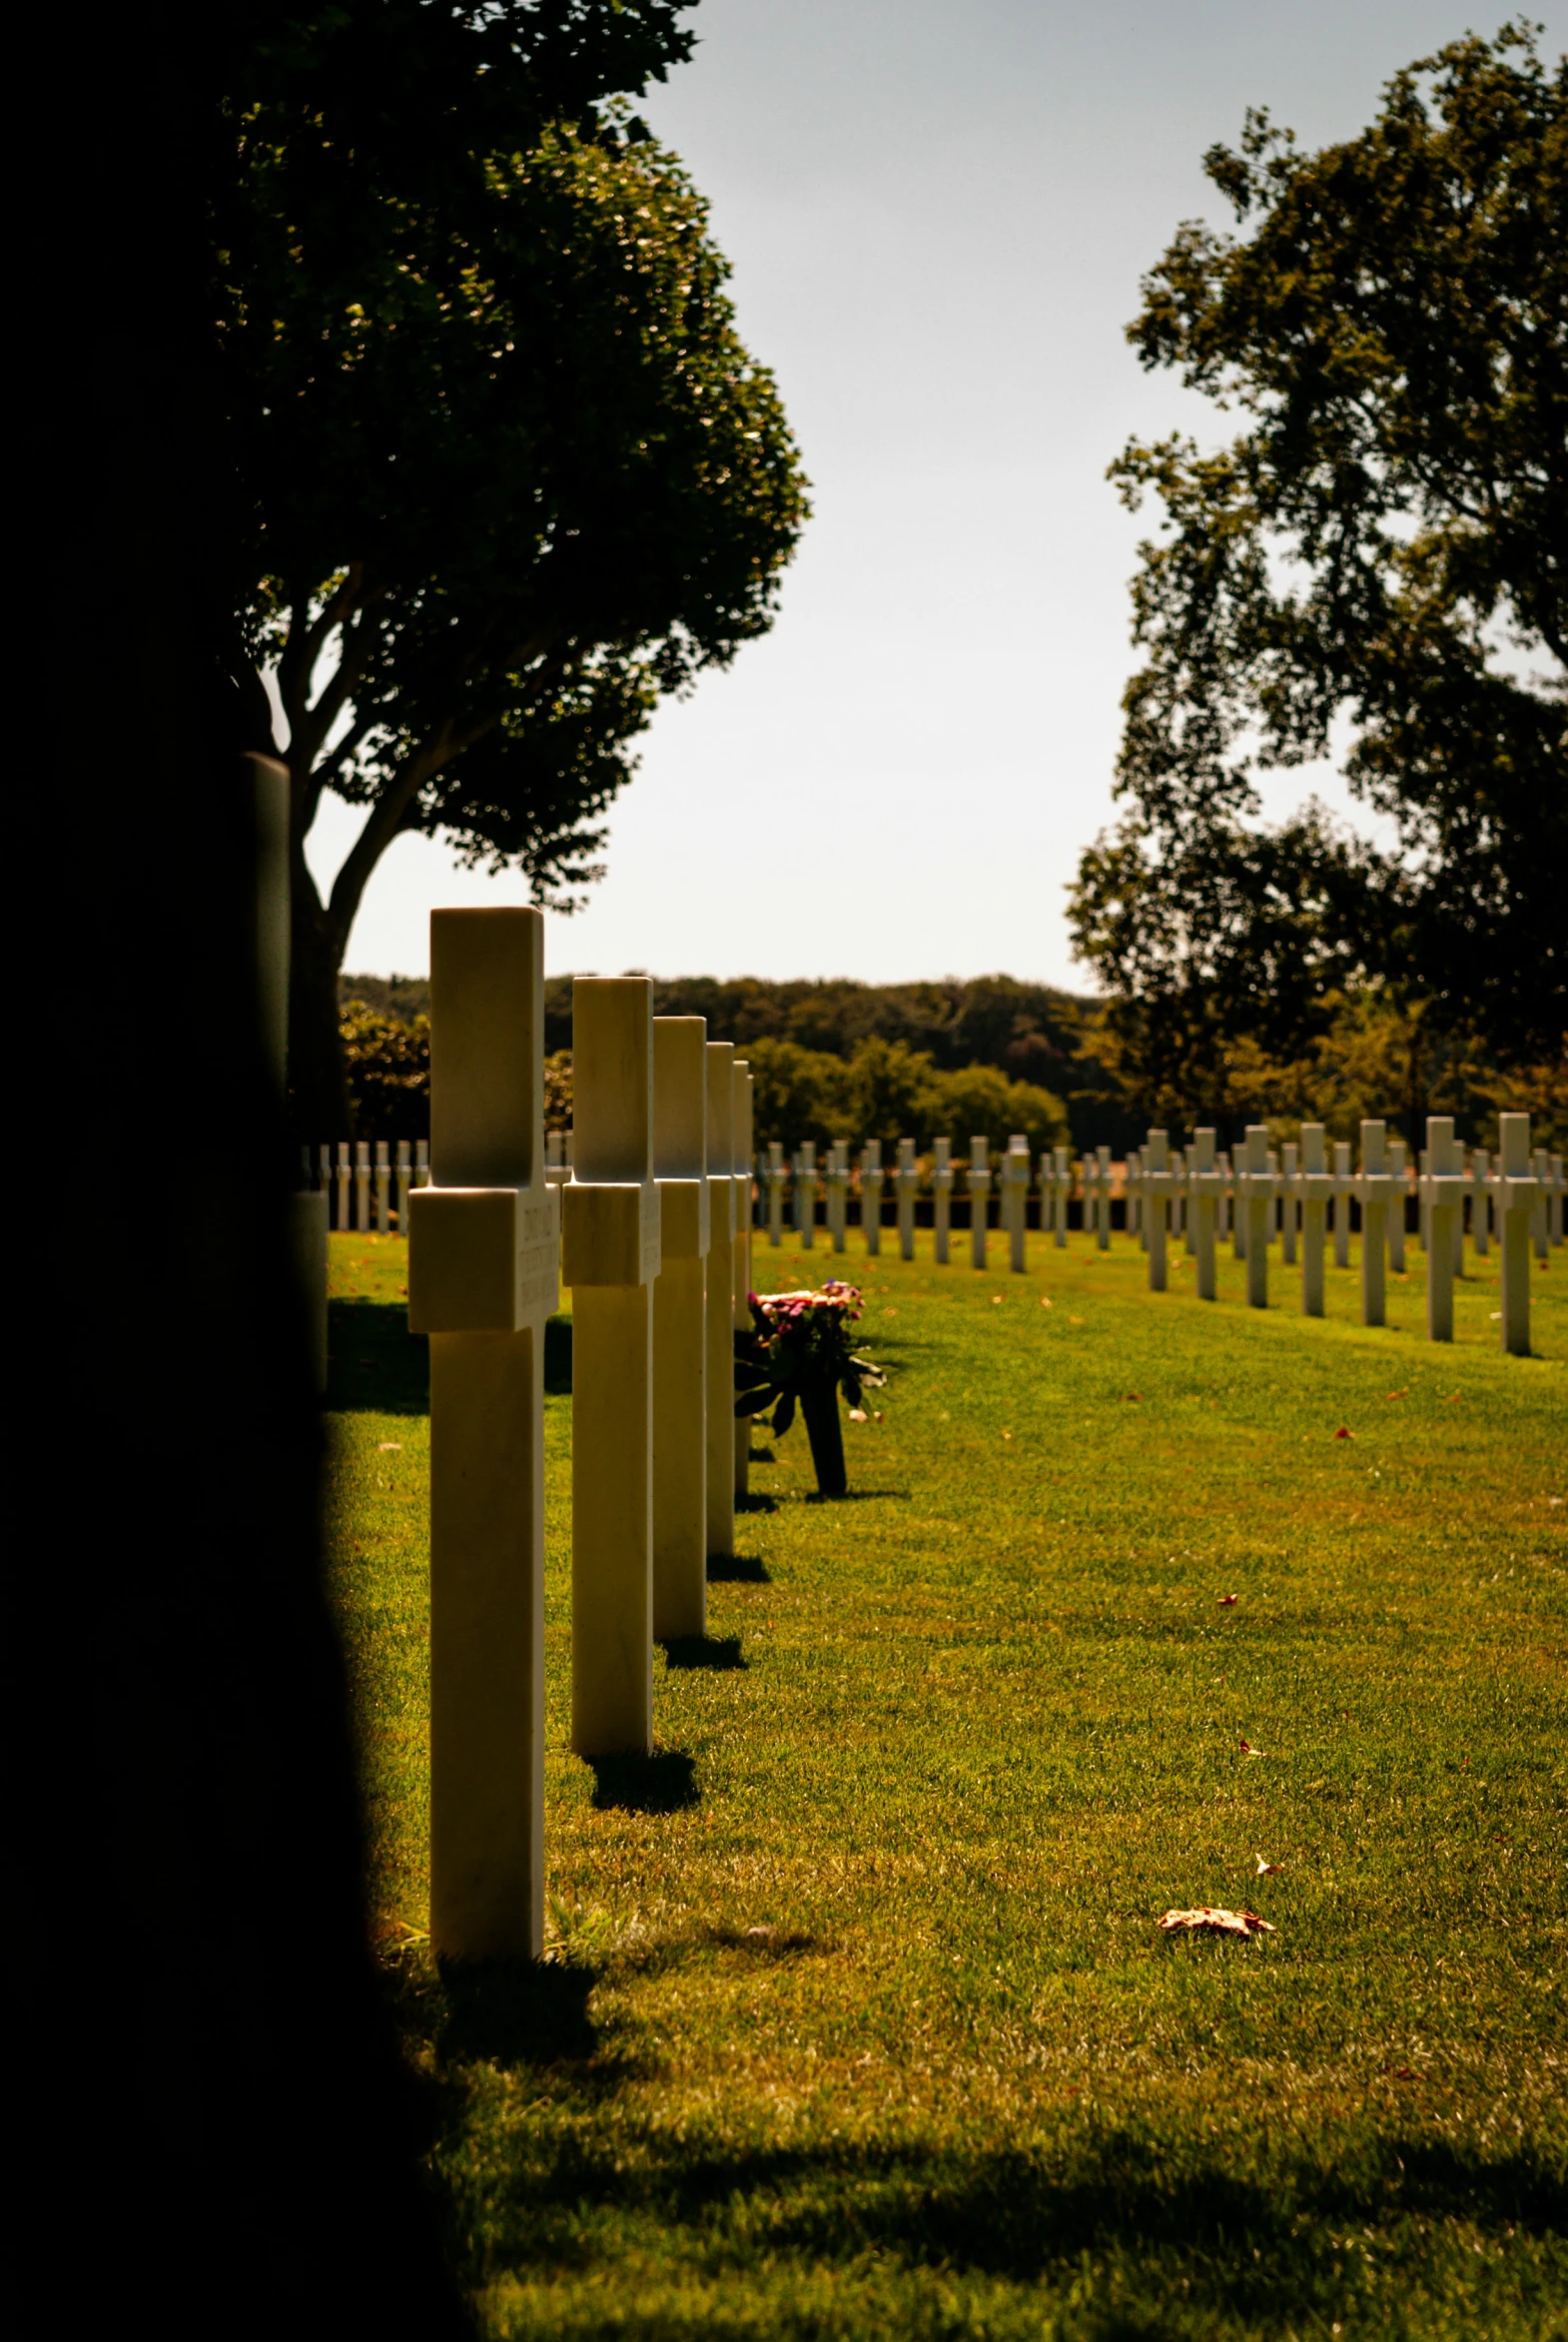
x=805, y=1198
x=382, y=1190
x=404, y=1183
x=979, y=1190
x=777, y=1176
x=907, y=1179
x=1015, y=1198
x=1290, y=1201
x=1099, y=1171
x=483, y=1271
x=1514, y=1188
x=610, y=1252
x=1156, y=1187
x=1206, y=1185
x=361, y=1184
x=872, y=1177
x=1318, y=1186
x=345, y=1217
x=740, y=1258
x=1374, y=1187
x=1399, y=1171
x=680, y=1334
x=720, y=1304
x=1443, y=1201
x=941, y=1198
x=1343, y=1184
x=836, y=1178
x=1257, y=1199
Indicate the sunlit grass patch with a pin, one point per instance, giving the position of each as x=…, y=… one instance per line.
x=870, y=2027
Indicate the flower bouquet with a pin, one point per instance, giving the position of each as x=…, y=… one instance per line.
x=797, y=1352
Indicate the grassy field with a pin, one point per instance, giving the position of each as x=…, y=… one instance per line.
x=857, y=2019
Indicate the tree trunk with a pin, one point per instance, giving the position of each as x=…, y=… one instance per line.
x=318, y=1105
x=819, y=1403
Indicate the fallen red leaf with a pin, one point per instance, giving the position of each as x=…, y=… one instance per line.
x=1226, y=1600
x=1132, y=1398
x=1247, y=1748
x=1344, y=1432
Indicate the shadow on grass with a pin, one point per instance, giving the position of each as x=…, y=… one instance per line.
x=665, y=1783
x=516, y=2012
x=848, y=1496
x=761, y=1456
x=758, y=1503
x=738, y=1569
x=716, y=1651
x=376, y=1365
x=1250, y=2241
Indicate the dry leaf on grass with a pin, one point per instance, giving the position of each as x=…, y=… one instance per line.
x=389, y=1446
x=1208, y=1921
x=1265, y=1868
x=1247, y=1748
x=1226, y=1600
x=857, y=1414
x=1344, y=1432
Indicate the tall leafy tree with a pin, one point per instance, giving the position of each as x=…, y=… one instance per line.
x=512, y=473
x=1378, y=553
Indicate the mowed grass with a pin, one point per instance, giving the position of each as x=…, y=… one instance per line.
x=957, y=1743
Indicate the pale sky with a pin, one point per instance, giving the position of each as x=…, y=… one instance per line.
x=938, y=212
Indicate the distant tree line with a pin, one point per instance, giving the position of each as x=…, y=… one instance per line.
x=833, y=1058
x=850, y=1060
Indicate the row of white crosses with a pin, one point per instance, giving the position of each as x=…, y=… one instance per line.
x=356, y=1179
x=1521, y=1195
x=651, y=1230
x=790, y=1189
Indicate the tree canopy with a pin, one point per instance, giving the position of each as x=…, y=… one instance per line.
x=1377, y=556
x=510, y=473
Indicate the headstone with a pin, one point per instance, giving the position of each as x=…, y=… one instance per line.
x=404, y=1184
x=1061, y=1184
x=941, y=1198
x=421, y=1163
x=1272, y=1220
x=556, y=1158
x=721, y=1300
x=870, y=1179
x=1343, y=1182
x=1480, y=1202
x=1398, y=1173
x=345, y=1217
x=382, y=1190
x=908, y=1183
x=482, y=1270
x=1131, y=1190
x=680, y=1328
x=1179, y=1196
x=1514, y=1188
x=778, y=1180
x=1223, y=1197
x=1318, y=1189
x=1373, y=1189
x=1156, y=1198
x=1259, y=1196
x=836, y=1178
x=611, y=1213
x=1290, y=1201
x=1240, y=1230
x=361, y=1185
x=1540, y=1222
x=805, y=1198
x=740, y=1260
x=1444, y=1186
x=1103, y=1197
x=1558, y=1184
x=1015, y=1195
x=1423, y=1173
x=1207, y=1184
x=979, y=1193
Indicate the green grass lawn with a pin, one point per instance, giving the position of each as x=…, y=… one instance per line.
x=954, y=1745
